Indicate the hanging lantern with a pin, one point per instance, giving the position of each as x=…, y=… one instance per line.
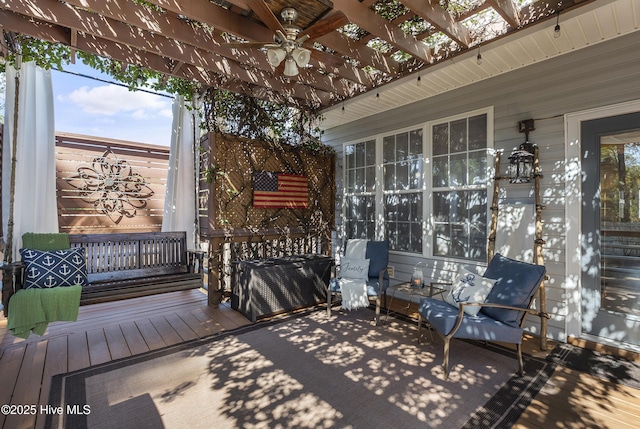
x=521, y=164
x=521, y=161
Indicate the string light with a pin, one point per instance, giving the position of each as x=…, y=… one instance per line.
x=479, y=57
x=556, y=30
x=419, y=82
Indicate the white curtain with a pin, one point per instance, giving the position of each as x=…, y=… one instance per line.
x=35, y=208
x=180, y=199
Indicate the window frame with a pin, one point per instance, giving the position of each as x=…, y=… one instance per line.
x=421, y=190
x=347, y=194
x=487, y=186
x=427, y=189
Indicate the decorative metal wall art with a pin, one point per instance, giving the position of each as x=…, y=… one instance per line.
x=111, y=186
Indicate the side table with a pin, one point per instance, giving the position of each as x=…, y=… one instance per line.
x=429, y=291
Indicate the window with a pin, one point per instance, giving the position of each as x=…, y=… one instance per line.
x=403, y=189
x=424, y=188
x=459, y=175
x=360, y=179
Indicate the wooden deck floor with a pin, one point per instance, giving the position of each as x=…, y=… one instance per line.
x=111, y=331
x=102, y=333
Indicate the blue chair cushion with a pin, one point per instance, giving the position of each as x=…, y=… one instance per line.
x=378, y=255
x=516, y=282
x=442, y=317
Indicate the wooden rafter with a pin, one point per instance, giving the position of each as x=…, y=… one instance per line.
x=127, y=54
x=189, y=39
x=507, y=9
x=368, y=20
x=256, y=73
x=441, y=19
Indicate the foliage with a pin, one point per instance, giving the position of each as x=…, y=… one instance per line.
x=389, y=9
x=248, y=117
x=55, y=55
x=226, y=112
x=137, y=77
x=45, y=54
x=353, y=31
x=620, y=182
x=415, y=26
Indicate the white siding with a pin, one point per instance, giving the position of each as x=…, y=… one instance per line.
x=600, y=75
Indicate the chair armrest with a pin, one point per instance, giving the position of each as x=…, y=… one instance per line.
x=461, y=312
x=381, y=280
x=493, y=305
x=381, y=273
x=509, y=307
x=12, y=281
x=334, y=268
x=192, y=257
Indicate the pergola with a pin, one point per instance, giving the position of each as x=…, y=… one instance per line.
x=356, y=47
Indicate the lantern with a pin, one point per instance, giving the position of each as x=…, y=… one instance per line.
x=521, y=164
x=417, y=277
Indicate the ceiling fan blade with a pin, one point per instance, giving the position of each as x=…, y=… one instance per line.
x=333, y=21
x=260, y=8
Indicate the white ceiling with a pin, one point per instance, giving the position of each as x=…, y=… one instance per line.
x=584, y=26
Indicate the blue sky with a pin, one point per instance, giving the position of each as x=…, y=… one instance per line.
x=95, y=108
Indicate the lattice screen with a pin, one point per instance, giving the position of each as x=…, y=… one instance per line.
x=226, y=200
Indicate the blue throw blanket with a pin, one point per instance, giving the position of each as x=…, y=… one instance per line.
x=31, y=310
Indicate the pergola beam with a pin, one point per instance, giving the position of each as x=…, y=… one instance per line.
x=507, y=9
x=370, y=21
x=364, y=55
x=295, y=94
x=193, y=36
x=76, y=19
x=433, y=13
x=170, y=26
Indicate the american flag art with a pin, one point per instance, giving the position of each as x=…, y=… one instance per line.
x=277, y=190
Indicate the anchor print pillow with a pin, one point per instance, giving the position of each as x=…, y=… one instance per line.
x=54, y=269
x=469, y=287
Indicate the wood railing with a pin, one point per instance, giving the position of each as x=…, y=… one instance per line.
x=229, y=246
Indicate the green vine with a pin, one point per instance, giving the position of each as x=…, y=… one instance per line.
x=136, y=77
x=49, y=55
x=248, y=117
x=45, y=54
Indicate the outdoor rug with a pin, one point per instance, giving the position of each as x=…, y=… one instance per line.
x=303, y=371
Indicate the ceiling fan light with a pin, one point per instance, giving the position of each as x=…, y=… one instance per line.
x=290, y=67
x=275, y=56
x=301, y=56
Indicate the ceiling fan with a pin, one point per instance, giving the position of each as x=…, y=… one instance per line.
x=288, y=41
